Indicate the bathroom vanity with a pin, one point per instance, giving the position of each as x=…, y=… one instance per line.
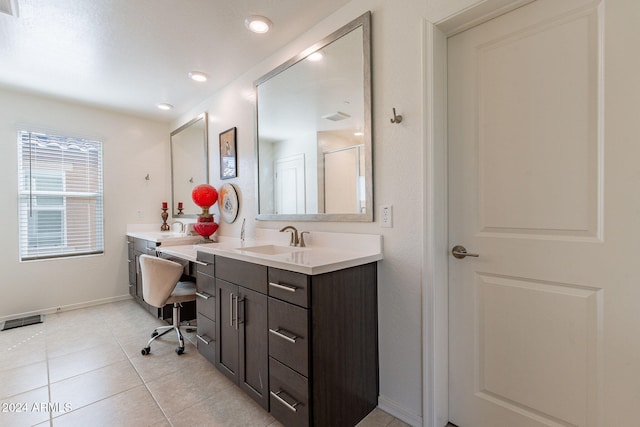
x=295, y=328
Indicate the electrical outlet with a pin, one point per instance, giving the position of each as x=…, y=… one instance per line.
x=386, y=216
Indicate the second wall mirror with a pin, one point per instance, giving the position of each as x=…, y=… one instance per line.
x=189, y=164
x=314, y=142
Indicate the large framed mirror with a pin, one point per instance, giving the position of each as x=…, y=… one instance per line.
x=189, y=164
x=314, y=142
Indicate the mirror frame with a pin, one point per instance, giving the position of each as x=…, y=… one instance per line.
x=363, y=21
x=204, y=116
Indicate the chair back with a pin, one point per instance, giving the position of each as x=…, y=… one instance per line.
x=159, y=278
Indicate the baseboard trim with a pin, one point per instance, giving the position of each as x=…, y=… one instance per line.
x=398, y=411
x=69, y=307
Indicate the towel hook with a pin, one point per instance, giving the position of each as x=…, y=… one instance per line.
x=396, y=117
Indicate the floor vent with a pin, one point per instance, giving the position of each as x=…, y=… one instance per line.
x=24, y=321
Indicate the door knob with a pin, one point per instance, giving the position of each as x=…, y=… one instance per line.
x=460, y=252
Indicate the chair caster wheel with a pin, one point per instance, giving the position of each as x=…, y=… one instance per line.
x=154, y=334
x=180, y=350
x=145, y=351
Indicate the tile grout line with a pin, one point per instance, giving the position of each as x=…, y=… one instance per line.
x=77, y=375
x=46, y=353
x=143, y=381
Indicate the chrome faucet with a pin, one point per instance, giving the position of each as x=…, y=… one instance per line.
x=302, y=244
x=181, y=225
x=294, y=235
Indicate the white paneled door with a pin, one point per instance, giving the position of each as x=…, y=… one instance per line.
x=544, y=185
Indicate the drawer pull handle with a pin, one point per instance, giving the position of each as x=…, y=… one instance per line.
x=204, y=339
x=283, y=287
x=284, y=402
x=277, y=333
x=206, y=264
x=203, y=295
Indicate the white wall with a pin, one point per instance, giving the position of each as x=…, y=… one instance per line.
x=398, y=165
x=132, y=147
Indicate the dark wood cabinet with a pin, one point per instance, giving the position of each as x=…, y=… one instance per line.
x=132, y=261
x=305, y=347
x=206, y=306
x=323, y=346
x=135, y=248
x=241, y=322
x=227, y=345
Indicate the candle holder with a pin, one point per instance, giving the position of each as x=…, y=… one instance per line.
x=164, y=215
x=180, y=209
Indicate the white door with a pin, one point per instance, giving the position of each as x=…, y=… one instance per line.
x=290, y=185
x=544, y=184
x=341, y=173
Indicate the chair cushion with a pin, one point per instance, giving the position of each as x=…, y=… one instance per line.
x=184, y=291
x=159, y=278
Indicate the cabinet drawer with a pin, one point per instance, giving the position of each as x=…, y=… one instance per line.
x=145, y=246
x=246, y=274
x=289, y=286
x=289, y=335
x=206, y=295
x=205, y=283
x=209, y=260
x=288, y=395
x=140, y=245
x=206, y=337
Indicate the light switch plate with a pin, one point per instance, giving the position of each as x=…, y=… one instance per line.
x=386, y=216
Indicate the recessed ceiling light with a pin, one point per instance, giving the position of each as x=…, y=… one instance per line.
x=164, y=106
x=258, y=24
x=197, y=76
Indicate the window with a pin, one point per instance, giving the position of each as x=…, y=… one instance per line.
x=60, y=196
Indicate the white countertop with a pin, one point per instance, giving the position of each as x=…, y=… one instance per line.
x=165, y=237
x=326, y=252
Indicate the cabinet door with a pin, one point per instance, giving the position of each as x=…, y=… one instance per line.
x=138, y=275
x=227, y=328
x=131, y=259
x=254, y=339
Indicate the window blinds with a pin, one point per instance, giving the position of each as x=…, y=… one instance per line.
x=60, y=196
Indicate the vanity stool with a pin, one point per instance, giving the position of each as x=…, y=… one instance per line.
x=161, y=285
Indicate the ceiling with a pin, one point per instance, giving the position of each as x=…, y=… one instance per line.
x=130, y=55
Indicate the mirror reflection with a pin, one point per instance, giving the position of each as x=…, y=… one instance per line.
x=314, y=132
x=189, y=166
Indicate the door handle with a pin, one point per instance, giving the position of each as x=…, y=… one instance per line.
x=460, y=252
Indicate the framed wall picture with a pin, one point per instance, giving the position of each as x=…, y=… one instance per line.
x=228, y=162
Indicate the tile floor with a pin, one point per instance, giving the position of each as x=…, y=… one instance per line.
x=84, y=368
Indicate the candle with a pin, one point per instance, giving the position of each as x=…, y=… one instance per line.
x=164, y=205
x=179, y=205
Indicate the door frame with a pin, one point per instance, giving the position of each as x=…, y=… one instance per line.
x=435, y=324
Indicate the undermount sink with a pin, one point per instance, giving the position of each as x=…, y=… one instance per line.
x=270, y=249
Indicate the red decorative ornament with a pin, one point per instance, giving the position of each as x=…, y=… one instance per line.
x=205, y=195
x=205, y=229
